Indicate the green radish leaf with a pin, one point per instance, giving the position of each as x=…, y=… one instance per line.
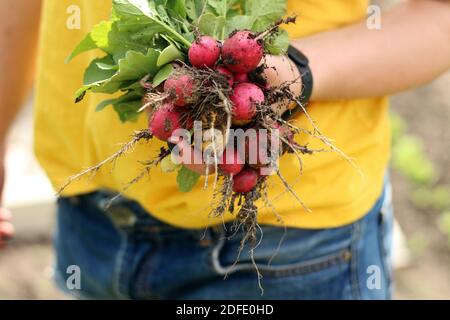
x=136, y=65
x=149, y=12
x=169, y=54
x=178, y=7
x=129, y=97
x=95, y=75
x=80, y=94
x=195, y=8
x=128, y=110
x=239, y=23
x=187, y=179
x=106, y=66
x=97, y=38
x=266, y=12
x=132, y=68
x=120, y=43
x=128, y=105
x=85, y=45
x=278, y=44
x=102, y=105
x=162, y=75
x=213, y=26
x=219, y=7
x=142, y=37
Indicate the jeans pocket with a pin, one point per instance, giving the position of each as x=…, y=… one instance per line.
x=323, y=274
x=302, y=252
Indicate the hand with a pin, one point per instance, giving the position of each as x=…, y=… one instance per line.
x=6, y=227
x=281, y=70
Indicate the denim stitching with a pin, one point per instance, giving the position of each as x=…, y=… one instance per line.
x=306, y=267
x=300, y=268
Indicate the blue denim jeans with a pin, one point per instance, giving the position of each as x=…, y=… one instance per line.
x=124, y=253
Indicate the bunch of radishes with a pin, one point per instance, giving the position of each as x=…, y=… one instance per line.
x=233, y=61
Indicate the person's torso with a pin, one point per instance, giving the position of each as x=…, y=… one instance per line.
x=69, y=137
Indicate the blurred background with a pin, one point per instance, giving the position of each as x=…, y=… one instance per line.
x=421, y=182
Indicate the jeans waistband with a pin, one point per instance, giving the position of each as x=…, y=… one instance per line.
x=128, y=215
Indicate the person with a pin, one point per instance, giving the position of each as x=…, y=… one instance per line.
x=152, y=243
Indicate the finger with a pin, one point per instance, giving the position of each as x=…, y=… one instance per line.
x=5, y=214
x=6, y=230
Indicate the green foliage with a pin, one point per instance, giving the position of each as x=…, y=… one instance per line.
x=409, y=158
x=143, y=37
x=187, y=179
x=126, y=105
x=398, y=127
x=418, y=243
x=444, y=224
x=277, y=45
x=163, y=74
x=211, y=25
x=257, y=15
x=169, y=54
x=437, y=198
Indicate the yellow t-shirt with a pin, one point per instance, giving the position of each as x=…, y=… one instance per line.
x=71, y=137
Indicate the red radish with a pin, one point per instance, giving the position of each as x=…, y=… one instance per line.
x=242, y=52
x=204, y=52
x=227, y=74
x=182, y=87
x=232, y=162
x=165, y=121
x=241, y=78
x=245, y=97
x=245, y=181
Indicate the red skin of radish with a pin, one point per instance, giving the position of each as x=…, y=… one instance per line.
x=182, y=87
x=165, y=121
x=242, y=53
x=245, y=181
x=241, y=78
x=232, y=162
x=227, y=73
x=244, y=98
x=204, y=52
